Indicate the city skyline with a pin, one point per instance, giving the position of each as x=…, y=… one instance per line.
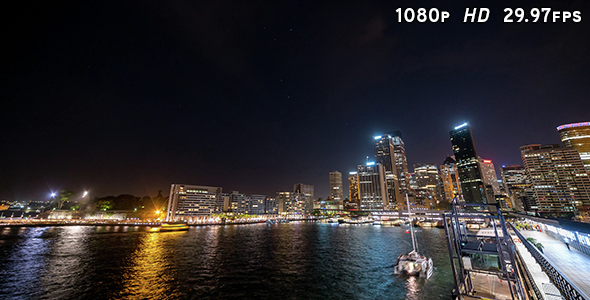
x=135, y=96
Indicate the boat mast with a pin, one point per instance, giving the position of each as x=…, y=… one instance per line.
x=411, y=229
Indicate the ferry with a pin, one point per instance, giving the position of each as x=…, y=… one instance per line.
x=167, y=227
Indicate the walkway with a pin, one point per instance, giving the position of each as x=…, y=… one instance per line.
x=572, y=263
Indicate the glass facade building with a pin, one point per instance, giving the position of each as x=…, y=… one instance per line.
x=372, y=187
x=558, y=178
x=385, y=156
x=577, y=135
x=187, y=201
x=472, y=185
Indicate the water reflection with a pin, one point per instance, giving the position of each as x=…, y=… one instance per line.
x=151, y=274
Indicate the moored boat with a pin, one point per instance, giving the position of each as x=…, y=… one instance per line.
x=413, y=263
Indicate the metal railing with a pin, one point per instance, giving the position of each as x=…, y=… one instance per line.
x=567, y=289
x=528, y=277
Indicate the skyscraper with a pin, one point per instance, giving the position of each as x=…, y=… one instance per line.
x=336, y=192
x=470, y=176
x=373, y=192
x=558, y=178
x=577, y=135
x=401, y=163
x=450, y=179
x=187, y=201
x=353, y=188
x=307, y=192
x=516, y=183
x=488, y=171
x=427, y=181
x=385, y=156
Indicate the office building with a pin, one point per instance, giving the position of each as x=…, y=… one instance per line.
x=488, y=171
x=336, y=192
x=304, y=189
x=401, y=162
x=577, y=135
x=238, y=203
x=353, y=189
x=385, y=156
x=516, y=185
x=293, y=203
x=373, y=191
x=472, y=185
x=187, y=201
x=271, y=206
x=449, y=176
x=558, y=178
x=427, y=185
x=256, y=204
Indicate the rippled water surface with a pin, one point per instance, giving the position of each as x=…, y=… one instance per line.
x=282, y=261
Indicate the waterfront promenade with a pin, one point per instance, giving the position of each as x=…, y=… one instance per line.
x=572, y=263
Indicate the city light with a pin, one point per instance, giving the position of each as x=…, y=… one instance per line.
x=487, y=161
x=370, y=163
x=377, y=137
x=53, y=194
x=461, y=126
x=352, y=173
x=85, y=194
x=573, y=125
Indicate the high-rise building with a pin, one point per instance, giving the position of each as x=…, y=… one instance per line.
x=488, y=171
x=401, y=162
x=373, y=192
x=307, y=191
x=256, y=204
x=472, y=185
x=238, y=203
x=385, y=156
x=336, y=192
x=577, y=135
x=558, y=178
x=516, y=183
x=427, y=181
x=450, y=179
x=353, y=188
x=293, y=203
x=187, y=201
x=271, y=206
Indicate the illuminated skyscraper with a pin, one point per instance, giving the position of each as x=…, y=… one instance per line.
x=187, y=201
x=577, y=135
x=385, y=156
x=450, y=179
x=353, y=188
x=336, y=186
x=517, y=184
x=372, y=187
x=307, y=191
x=401, y=163
x=558, y=178
x=427, y=181
x=489, y=175
x=472, y=185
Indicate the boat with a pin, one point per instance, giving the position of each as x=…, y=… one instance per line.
x=413, y=263
x=167, y=227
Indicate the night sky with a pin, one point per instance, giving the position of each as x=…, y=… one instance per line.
x=131, y=96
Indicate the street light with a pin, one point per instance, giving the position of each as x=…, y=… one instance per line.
x=85, y=194
x=53, y=194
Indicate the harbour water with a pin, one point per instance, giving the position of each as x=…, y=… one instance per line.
x=298, y=260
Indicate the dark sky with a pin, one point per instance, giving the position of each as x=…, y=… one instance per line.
x=131, y=96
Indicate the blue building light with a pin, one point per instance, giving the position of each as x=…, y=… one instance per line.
x=370, y=163
x=377, y=137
